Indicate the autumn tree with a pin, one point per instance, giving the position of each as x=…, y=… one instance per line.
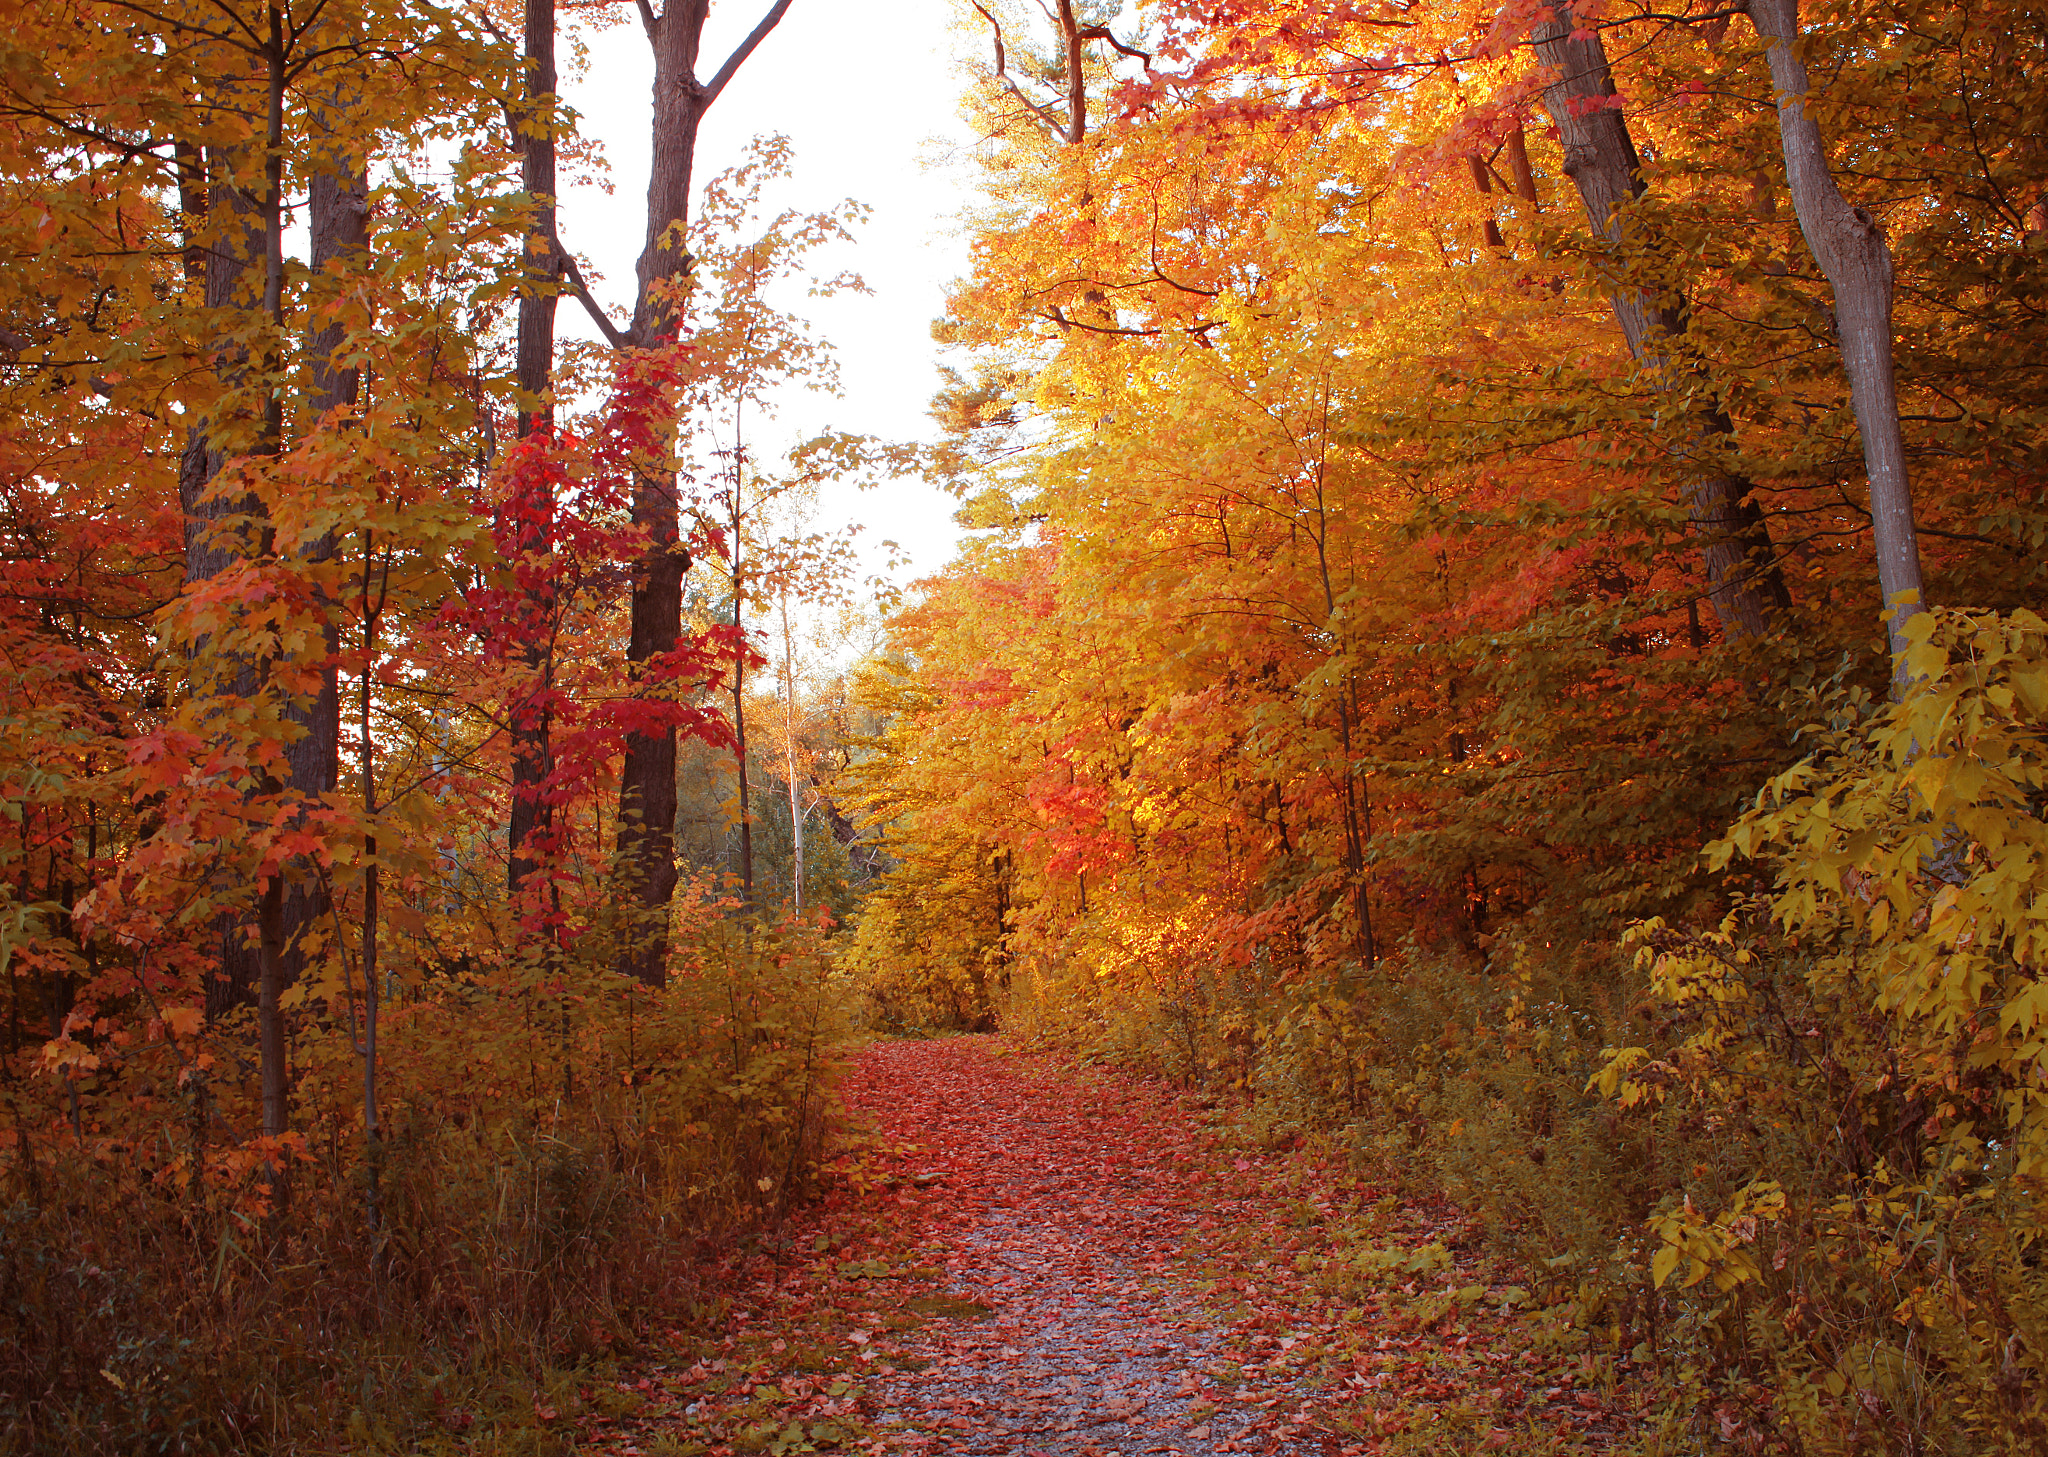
x=647, y=795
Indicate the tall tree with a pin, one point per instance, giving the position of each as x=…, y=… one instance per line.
x=647, y=783
x=1743, y=577
x=338, y=227
x=227, y=519
x=1850, y=247
x=531, y=714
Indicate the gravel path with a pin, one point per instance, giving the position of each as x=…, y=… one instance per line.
x=1067, y=1323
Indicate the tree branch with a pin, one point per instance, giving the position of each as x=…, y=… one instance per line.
x=1056, y=315
x=997, y=27
x=1101, y=32
x=1037, y=109
x=739, y=57
x=582, y=291
x=1077, y=84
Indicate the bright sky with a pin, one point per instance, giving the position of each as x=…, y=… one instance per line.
x=867, y=93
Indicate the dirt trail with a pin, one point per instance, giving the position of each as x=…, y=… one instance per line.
x=1022, y=1257
x=1063, y=1202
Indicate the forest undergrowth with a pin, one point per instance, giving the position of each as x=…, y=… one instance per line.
x=542, y=1191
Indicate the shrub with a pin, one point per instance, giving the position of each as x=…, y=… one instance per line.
x=557, y=1166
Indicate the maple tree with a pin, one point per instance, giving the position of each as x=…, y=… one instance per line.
x=1369, y=633
x=282, y=502
x=1487, y=643
x=647, y=798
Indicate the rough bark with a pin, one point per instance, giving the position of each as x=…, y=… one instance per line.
x=1851, y=250
x=531, y=717
x=647, y=782
x=1744, y=580
x=338, y=220
x=225, y=240
x=244, y=265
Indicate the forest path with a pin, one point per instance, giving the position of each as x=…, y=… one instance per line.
x=1064, y=1201
x=1027, y=1257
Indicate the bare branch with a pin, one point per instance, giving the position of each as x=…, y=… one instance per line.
x=1101, y=32
x=1037, y=109
x=582, y=291
x=997, y=27
x=739, y=57
x=1056, y=315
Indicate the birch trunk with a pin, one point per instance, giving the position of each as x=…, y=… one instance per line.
x=1851, y=250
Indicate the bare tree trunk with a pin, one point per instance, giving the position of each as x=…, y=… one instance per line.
x=531, y=717
x=739, y=699
x=647, y=782
x=1743, y=576
x=796, y=802
x=1851, y=250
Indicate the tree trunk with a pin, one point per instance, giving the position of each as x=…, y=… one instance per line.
x=739, y=698
x=1743, y=576
x=373, y=1137
x=270, y=915
x=647, y=782
x=214, y=265
x=338, y=220
x=230, y=239
x=1077, y=81
x=532, y=717
x=245, y=229
x=1851, y=250
x=796, y=802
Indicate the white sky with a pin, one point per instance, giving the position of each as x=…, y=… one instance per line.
x=867, y=94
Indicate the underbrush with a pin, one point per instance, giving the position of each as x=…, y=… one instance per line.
x=559, y=1163
x=1782, y=1152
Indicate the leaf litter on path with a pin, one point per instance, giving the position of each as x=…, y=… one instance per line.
x=1037, y=1259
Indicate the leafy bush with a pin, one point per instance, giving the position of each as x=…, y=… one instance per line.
x=553, y=1169
x=1866, y=1042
